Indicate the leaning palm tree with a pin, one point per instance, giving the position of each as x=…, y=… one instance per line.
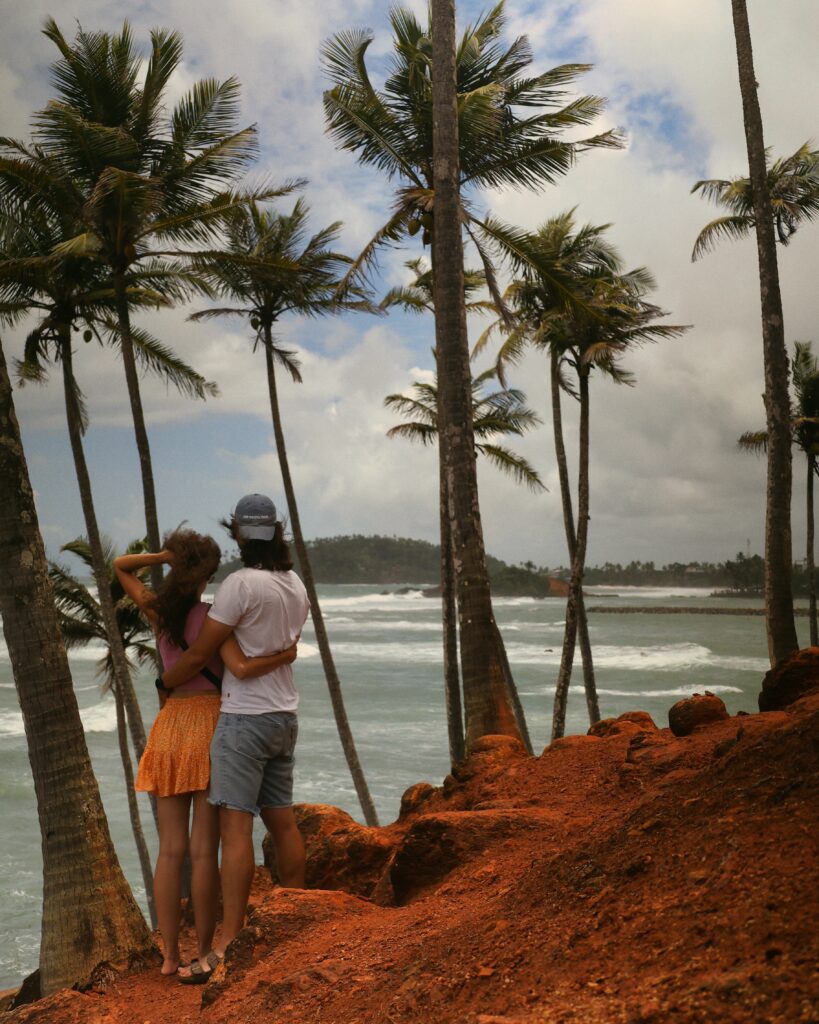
x=617, y=317
x=82, y=623
x=779, y=615
x=805, y=429
x=272, y=267
x=137, y=177
x=497, y=414
x=793, y=185
x=473, y=99
x=89, y=913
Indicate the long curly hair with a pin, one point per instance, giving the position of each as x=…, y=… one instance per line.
x=196, y=558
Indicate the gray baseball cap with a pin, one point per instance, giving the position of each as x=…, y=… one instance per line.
x=255, y=517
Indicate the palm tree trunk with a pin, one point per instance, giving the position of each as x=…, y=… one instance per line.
x=133, y=808
x=779, y=616
x=487, y=702
x=571, y=542
x=449, y=613
x=809, y=556
x=333, y=682
x=89, y=913
x=140, y=432
x=123, y=685
x=109, y=619
x=578, y=563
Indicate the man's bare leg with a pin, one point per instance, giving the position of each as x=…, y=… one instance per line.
x=290, y=858
x=236, y=828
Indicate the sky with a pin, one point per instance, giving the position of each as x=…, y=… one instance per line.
x=667, y=481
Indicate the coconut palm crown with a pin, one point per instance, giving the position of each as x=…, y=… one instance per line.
x=79, y=611
x=793, y=183
x=511, y=123
x=501, y=412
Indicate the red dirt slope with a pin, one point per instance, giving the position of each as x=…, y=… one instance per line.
x=628, y=877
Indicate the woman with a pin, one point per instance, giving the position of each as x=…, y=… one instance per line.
x=175, y=765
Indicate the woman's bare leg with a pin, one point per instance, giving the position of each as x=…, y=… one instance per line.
x=205, y=870
x=172, y=817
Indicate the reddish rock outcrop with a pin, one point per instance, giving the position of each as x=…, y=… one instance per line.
x=791, y=679
x=414, y=799
x=341, y=854
x=691, y=712
x=436, y=844
x=628, y=724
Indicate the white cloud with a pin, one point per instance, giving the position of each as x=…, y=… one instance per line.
x=667, y=480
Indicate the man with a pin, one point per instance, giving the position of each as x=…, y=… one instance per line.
x=264, y=605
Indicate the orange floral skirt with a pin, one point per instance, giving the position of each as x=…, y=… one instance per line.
x=177, y=754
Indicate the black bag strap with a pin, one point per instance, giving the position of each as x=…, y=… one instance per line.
x=206, y=672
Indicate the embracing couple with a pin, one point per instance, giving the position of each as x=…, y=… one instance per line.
x=228, y=755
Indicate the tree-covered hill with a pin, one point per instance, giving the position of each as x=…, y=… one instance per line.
x=359, y=559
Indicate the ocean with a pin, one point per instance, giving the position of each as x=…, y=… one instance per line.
x=388, y=654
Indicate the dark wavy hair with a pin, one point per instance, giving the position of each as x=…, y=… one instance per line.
x=196, y=558
x=273, y=555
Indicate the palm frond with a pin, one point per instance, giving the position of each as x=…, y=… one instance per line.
x=731, y=226
x=512, y=464
x=755, y=441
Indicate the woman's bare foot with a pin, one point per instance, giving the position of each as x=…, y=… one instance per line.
x=170, y=965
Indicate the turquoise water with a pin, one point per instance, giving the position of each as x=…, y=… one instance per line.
x=387, y=650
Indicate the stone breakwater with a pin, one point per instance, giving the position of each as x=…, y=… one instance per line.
x=631, y=609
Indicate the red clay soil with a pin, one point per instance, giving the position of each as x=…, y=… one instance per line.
x=631, y=877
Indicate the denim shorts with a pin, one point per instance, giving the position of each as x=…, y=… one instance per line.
x=251, y=761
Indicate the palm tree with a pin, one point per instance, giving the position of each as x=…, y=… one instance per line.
x=501, y=412
x=469, y=100
x=64, y=292
x=135, y=176
x=617, y=317
x=779, y=616
x=272, y=267
x=416, y=297
x=578, y=252
x=510, y=123
x=89, y=913
x=793, y=185
x=805, y=432
x=81, y=623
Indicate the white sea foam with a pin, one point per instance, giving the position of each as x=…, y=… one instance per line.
x=307, y=650
x=649, y=593
x=101, y=717
x=384, y=625
x=412, y=601
x=677, y=691
x=662, y=658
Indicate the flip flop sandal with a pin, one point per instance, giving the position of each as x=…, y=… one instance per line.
x=199, y=975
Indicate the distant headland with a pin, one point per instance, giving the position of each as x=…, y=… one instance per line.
x=395, y=560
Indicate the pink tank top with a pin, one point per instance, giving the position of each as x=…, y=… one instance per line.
x=170, y=653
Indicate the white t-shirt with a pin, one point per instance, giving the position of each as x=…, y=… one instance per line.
x=267, y=611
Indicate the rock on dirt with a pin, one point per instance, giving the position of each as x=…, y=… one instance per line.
x=791, y=679
x=691, y=712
